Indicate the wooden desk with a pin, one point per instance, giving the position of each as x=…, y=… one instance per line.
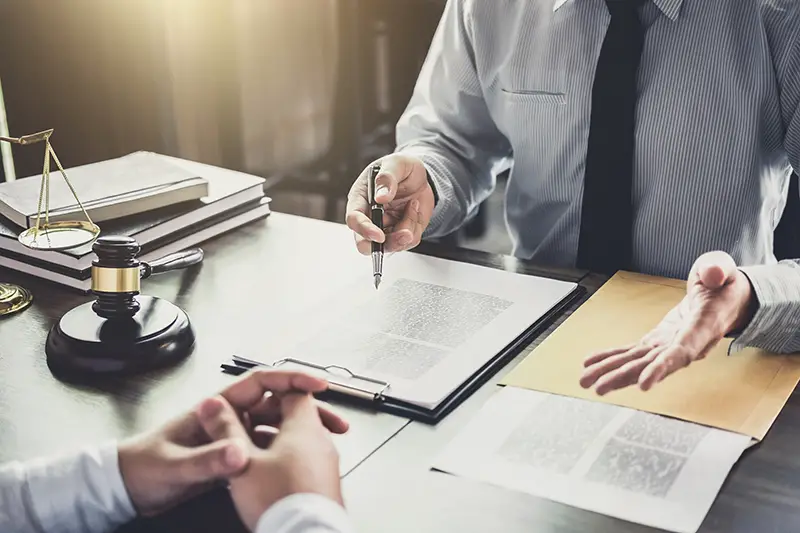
x=761, y=494
x=240, y=295
x=237, y=298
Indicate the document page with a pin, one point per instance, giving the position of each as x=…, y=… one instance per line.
x=430, y=325
x=632, y=465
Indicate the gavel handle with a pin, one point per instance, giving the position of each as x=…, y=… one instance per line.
x=169, y=262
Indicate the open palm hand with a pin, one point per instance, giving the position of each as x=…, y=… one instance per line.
x=718, y=300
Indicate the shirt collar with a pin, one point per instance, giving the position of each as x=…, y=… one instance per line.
x=670, y=8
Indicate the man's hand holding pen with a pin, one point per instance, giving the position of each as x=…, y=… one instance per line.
x=376, y=217
x=406, y=198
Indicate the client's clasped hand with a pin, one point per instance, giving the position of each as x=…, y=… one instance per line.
x=265, y=434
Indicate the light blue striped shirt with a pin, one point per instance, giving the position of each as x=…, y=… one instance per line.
x=507, y=84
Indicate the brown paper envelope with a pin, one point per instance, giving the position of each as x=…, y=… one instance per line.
x=742, y=392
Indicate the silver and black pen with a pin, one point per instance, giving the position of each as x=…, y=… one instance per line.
x=376, y=215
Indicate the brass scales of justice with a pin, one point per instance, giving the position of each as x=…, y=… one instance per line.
x=46, y=235
x=117, y=333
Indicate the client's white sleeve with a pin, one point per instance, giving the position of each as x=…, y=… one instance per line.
x=305, y=513
x=81, y=492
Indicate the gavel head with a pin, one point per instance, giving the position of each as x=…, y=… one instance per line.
x=116, y=276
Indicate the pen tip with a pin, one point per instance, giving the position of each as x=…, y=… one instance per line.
x=377, y=280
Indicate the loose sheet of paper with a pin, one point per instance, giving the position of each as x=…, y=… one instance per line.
x=430, y=326
x=632, y=465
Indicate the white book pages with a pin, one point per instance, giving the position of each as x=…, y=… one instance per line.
x=636, y=466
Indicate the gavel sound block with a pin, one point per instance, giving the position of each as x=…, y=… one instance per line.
x=121, y=332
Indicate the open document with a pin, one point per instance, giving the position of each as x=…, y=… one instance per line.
x=432, y=324
x=636, y=466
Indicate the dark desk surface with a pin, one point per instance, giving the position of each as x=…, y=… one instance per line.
x=238, y=299
x=240, y=296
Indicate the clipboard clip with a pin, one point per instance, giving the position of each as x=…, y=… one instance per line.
x=374, y=392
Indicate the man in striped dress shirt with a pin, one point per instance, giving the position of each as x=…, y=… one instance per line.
x=656, y=136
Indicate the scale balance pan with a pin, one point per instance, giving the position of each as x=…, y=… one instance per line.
x=13, y=298
x=62, y=235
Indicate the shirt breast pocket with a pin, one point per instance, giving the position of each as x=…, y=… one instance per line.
x=532, y=119
x=534, y=75
x=532, y=97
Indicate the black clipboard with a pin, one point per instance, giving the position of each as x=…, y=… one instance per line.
x=371, y=395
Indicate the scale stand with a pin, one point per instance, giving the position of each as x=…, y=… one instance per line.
x=45, y=235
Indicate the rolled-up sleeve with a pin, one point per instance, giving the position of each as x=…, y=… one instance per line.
x=776, y=324
x=447, y=124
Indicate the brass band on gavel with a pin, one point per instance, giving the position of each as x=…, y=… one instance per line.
x=110, y=279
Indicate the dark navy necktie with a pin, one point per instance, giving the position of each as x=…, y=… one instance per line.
x=605, y=243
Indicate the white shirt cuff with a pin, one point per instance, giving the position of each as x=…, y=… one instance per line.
x=304, y=513
x=81, y=493
x=774, y=325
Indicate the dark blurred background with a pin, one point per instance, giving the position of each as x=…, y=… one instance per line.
x=302, y=92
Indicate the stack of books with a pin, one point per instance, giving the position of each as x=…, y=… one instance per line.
x=166, y=204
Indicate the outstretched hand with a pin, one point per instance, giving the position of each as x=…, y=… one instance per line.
x=719, y=300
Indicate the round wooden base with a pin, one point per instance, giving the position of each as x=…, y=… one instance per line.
x=84, y=345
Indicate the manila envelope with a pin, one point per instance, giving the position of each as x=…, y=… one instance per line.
x=742, y=392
